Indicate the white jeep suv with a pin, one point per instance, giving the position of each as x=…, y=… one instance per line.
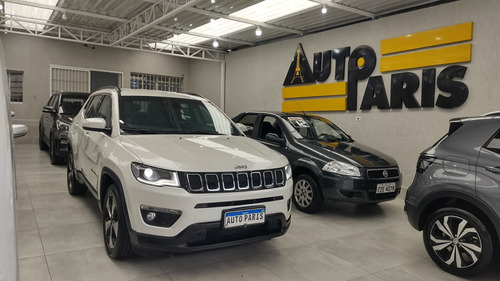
x=172, y=173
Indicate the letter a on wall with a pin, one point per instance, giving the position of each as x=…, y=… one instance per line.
x=300, y=70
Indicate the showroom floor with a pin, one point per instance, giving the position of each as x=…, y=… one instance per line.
x=60, y=238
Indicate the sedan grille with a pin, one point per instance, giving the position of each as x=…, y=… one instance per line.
x=390, y=173
x=232, y=181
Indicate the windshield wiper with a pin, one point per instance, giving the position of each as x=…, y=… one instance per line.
x=201, y=133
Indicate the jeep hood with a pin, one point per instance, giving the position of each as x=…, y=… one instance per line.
x=355, y=152
x=202, y=153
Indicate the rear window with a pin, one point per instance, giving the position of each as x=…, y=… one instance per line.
x=494, y=144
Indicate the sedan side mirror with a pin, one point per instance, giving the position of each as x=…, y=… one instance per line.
x=19, y=130
x=272, y=137
x=48, y=109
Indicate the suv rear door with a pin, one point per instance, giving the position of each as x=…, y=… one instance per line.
x=488, y=173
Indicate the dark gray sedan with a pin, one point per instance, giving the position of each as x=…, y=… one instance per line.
x=326, y=162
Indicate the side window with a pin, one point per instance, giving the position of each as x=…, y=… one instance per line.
x=270, y=125
x=249, y=121
x=52, y=101
x=91, y=107
x=104, y=110
x=494, y=144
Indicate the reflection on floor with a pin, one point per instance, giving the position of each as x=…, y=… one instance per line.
x=60, y=238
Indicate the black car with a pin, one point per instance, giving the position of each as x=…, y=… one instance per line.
x=455, y=196
x=56, y=117
x=326, y=162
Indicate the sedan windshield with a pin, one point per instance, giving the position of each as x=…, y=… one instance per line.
x=161, y=115
x=314, y=127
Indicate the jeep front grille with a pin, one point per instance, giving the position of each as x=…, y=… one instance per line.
x=232, y=181
x=391, y=173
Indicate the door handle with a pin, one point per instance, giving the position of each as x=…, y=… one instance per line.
x=493, y=169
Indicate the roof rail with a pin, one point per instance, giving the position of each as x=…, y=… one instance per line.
x=109, y=87
x=192, y=94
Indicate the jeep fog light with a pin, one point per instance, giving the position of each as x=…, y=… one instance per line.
x=341, y=168
x=288, y=172
x=154, y=176
x=162, y=217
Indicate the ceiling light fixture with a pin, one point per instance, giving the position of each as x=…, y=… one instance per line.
x=323, y=10
x=258, y=31
x=212, y=1
x=215, y=44
x=64, y=16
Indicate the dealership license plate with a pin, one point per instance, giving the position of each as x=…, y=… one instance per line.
x=386, y=187
x=243, y=217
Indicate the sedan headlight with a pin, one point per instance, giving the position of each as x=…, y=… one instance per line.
x=288, y=172
x=341, y=168
x=154, y=176
x=62, y=126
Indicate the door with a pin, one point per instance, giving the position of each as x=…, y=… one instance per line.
x=488, y=173
x=99, y=79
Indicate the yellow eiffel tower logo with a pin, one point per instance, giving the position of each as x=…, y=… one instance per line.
x=297, y=73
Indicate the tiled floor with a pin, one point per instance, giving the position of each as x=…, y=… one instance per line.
x=60, y=239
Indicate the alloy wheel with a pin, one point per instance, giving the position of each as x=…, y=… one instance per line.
x=455, y=241
x=111, y=222
x=303, y=193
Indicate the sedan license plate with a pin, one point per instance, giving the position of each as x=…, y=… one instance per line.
x=243, y=217
x=386, y=187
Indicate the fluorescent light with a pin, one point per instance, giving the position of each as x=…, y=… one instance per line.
x=38, y=14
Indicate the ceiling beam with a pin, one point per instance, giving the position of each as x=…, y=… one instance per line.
x=149, y=18
x=64, y=10
x=238, y=19
x=173, y=30
x=340, y=6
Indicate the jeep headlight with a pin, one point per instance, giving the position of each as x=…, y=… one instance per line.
x=341, y=168
x=288, y=172
x=154, y=176
x=62, y=126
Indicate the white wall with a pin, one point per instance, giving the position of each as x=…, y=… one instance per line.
x=254, y=77
x=34, y=55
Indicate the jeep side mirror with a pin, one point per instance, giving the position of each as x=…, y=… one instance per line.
x=272, y=137
x=95, y=124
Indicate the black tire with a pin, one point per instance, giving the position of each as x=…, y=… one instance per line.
x=307, y=196
x=116, y=237
x=458, y=242
x=41, y=144
x=74, y=187
x=54, y=158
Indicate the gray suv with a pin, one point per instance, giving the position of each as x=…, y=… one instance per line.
x=455, y=196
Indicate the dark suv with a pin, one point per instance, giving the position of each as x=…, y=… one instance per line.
x=326, y=162
x=56, y=117
x=455, y=196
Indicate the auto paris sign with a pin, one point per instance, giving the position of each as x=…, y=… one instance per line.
x=423, y=50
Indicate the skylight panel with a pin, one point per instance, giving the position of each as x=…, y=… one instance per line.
x=269, y=10
x=264, y=11
x=27, y=12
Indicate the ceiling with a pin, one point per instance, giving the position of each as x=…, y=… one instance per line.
x=189, y=28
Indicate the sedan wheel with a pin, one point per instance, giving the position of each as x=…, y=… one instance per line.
x=306, y=195
x=458, y=242
x=116, y=238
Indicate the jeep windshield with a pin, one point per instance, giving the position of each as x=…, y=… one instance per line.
x=316, y=128
x=163, y=115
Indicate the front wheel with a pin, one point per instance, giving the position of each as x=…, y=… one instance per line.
x=74, y=187
x=116, y=238
x=41, y=144
x=54, y=158
x=458, y=242
x=307, y=195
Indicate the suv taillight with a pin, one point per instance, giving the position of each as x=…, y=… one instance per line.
x=424, y=162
